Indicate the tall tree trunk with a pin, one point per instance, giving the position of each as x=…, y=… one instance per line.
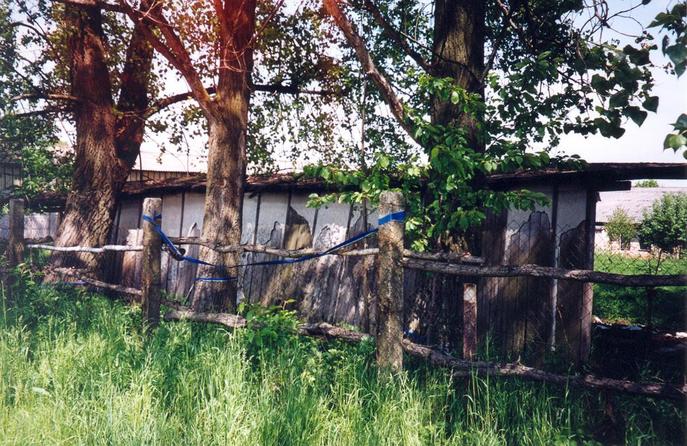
x=107, y=143
x=459, y=54
x=227, y=158
x=98, y=173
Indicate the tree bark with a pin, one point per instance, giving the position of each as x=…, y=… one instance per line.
x=228, y=124
x=459, y=54
x=107, y=142
x=89, y=209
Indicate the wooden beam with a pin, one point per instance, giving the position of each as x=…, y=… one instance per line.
x=102, y=249
x=97, y=283
x=638, y=280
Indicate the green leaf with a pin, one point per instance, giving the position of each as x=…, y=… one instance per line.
x=383, y=162
x=455, y=97
x=681, y=123
x=600, y=84
x=619, y=99
x=677, y=53
x=674, y=141
x=651, y=103
x=636, y=114
x=637, y=56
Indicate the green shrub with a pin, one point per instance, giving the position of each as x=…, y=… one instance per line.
x=665, y=225
x=620, y=227
x=646, y=183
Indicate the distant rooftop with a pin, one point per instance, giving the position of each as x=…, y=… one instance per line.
x=634, y=201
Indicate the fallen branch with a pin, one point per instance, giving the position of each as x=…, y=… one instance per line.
x=235, y=321
x=638, y=280
x=112, y=287
x=97, y=283
x=226, y=319
x=459, y=367
x=465, y=368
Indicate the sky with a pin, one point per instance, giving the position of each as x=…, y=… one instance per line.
x=643, y=143
x=638, y=144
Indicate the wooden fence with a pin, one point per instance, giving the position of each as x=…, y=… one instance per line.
x=391, y=259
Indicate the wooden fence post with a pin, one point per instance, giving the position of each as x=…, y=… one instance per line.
x=650, y=299
x=15, y=251
x=390, y=283
x=15, y=246
x=150, y=264
x=469, y=320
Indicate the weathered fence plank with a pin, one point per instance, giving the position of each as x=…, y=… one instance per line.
x=151, y=265
x=390, y=284
x=469, y=320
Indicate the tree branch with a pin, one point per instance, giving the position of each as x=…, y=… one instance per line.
x=173, y=50
x=43, y=111
x=269, y=88
x=396, y=36
x=507, y=20
x=47, y=96
x=393, y=101
x=100, y=4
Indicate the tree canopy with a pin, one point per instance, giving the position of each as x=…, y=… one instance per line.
x=426, y=96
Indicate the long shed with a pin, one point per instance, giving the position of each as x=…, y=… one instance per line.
x=527, y=317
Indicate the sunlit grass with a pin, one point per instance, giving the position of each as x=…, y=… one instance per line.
x=76, y=369
x=628, y=305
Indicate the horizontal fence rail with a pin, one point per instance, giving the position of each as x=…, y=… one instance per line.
x=433, y=262
x=264, y=249
x=86, y=249
x=581, y=275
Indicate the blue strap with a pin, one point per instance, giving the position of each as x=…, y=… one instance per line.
x=394, y=216
x=177, y=255
x=314, y=255
x=172, y=248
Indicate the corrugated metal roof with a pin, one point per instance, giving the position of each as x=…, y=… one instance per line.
x=634, y=201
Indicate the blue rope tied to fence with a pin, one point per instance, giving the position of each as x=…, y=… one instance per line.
x=179, y=256
x=174, y=252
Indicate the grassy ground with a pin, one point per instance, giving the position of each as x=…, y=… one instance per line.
x=75, y=369
x=628, y=305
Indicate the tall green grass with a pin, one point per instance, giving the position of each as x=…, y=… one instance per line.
x=75, y=368
x=628, y=305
